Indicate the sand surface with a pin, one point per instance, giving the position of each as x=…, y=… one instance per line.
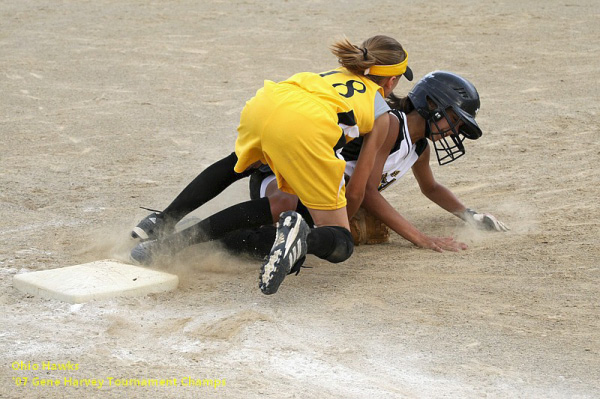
x=108, y=105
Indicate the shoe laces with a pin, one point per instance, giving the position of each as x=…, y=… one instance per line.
x=299, y=265
x=151, y=210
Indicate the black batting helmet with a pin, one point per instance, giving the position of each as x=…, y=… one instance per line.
x=433, y=96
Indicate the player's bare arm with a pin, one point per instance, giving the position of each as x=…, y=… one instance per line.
x=433, y=190
x=373, y=142
x=446, y=199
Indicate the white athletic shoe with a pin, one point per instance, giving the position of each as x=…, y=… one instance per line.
x=287, y=254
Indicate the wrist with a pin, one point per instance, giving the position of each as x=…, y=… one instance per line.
x=466, y=214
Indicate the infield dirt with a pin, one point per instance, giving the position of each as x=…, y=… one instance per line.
x=108, y=106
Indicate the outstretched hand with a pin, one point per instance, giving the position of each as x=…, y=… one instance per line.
x=441, y=244
x=485, y=221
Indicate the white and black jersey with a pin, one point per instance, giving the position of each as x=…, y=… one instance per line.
x=402, y=157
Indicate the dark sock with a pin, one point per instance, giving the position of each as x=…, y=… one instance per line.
x=246, y=215
x=253, y=242
x=206, y=186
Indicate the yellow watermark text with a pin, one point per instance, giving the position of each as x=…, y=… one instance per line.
x=73, y=379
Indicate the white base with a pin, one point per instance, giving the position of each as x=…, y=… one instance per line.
x=96, y=280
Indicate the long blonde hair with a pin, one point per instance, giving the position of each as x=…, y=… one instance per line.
x=376, y=50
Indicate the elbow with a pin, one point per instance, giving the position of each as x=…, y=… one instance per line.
x=354, y=197
x=428, y=190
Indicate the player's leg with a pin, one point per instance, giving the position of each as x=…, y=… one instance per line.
x=207, y=185
x=331, y=239
x=294, y=239
x=280, y=201
x=246, y=215
x=265, y=207
x=256, y=242
x=264, y=184
x=332, y=243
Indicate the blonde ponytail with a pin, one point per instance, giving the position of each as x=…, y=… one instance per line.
x=355, y=59
x=377, y=50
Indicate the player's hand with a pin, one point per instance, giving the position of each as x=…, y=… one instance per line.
x=441, y=244
x=485, y=221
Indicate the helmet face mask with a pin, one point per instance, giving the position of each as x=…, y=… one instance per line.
x=448, y=143
x=444, y=96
